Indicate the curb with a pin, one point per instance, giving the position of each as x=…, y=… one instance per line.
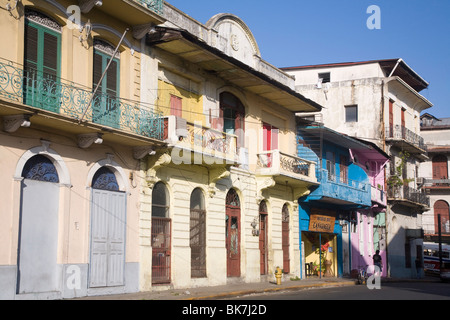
x=256, y=291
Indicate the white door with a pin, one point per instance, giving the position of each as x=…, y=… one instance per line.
x=38, y=237
x=108, y=222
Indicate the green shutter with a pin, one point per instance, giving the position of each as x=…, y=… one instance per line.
x=42, y=67
x=106, y=107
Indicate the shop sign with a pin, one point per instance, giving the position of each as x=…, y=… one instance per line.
x=322, y=222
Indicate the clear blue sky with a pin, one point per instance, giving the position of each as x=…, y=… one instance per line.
x=299, y=32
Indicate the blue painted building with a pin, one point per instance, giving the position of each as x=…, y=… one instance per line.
x=344, y=188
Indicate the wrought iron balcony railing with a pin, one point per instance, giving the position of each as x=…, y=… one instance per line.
x=53, y=94
x=398, y=132
x=275, y=162
x=199, y=139
x=154, y=5
x=406, y=193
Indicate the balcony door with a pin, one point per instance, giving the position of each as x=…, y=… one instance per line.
x=42, y=62
x=105, y=105
x=270, y=142
x=231, y=119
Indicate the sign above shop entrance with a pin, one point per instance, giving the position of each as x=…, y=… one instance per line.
x=322, y=221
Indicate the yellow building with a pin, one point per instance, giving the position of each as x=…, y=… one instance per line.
x=221, y=199
x=142, y=150
x=70, y=150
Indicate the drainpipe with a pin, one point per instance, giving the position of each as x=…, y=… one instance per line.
x=395, y=68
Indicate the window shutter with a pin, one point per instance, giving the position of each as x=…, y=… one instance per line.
x=97, y=68
x=50, y=55
x=31, y=47
x=111, y=78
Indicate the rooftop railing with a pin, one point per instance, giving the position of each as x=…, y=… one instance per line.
x=48, y=92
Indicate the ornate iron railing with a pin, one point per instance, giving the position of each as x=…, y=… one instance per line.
x=50, y=93
x=154, y=5
x=409, y=194
x=198, y=138
x=398, y=132
x=275, y=161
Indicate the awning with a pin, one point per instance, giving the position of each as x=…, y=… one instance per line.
x=187, y=46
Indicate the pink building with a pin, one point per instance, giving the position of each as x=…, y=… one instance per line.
x=368, y=226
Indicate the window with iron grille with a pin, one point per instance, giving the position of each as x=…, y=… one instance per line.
x=198, y=234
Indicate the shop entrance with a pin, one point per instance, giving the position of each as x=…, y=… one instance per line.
x=320, y=254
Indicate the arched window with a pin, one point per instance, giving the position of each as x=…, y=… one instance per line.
x=160, y=201
x=105, y=179
x=40, y=168
x=42, y=61
x=198, y=234
x=161, y=235
x=441, y=207
x=232, y=115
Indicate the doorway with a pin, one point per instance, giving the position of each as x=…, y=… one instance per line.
x=38, y=230
x=233, y=234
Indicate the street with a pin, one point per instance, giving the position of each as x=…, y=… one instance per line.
x=388, y=291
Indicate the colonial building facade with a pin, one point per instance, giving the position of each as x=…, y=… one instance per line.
x=379, y=101
x=435, y=176
x=142, y=150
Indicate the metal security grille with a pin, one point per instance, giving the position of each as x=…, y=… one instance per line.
x=198, y=243
x=161, y=236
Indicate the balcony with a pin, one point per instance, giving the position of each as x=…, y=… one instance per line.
x=406, y=140
x=409, y=197
x=436, y=183
x=346, y=193
x=378, y=196
x=285, y=168
x=44, y=97
x=137, y=13
x=203, y=145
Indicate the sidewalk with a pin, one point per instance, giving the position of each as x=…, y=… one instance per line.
x=240, y=289
x=227, y=291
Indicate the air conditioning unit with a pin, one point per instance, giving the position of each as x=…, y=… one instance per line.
x=181, y=127
x=420, y=181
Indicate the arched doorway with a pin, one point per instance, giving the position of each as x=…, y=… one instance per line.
x=161, y=235
x=233, y=234
x=285, y=216
x=198, y=234
x=38, y=231
x=108, y=231
x=263, y=213
x=441, y=207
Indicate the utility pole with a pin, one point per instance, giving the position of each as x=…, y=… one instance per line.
x=440, y=241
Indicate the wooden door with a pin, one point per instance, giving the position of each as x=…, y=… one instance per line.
x=391, y=119
x=38, y=233
x=263, y=242
x=233, y=234
x=285, y=239
x=108, y=223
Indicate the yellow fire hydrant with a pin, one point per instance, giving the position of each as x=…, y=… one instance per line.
x=278, y=275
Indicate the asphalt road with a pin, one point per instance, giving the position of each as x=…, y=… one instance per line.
x=388, y=291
